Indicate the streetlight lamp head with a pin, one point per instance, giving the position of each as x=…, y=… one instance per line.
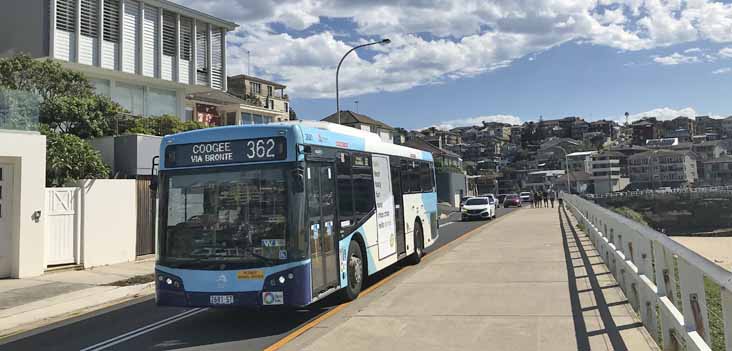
x=385, y=41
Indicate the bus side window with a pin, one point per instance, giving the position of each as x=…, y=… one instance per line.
x=345, y=192
x=425, y=177
x=363, y=186
x=410, y=177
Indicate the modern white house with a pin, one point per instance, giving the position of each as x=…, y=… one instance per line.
x=146, y=55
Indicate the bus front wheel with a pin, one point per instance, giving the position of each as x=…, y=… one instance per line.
x=355, y=271
x=416, y=257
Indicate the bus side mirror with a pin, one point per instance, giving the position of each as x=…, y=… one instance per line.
x=298, y=179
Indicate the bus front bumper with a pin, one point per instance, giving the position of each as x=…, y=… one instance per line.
x=271, y=292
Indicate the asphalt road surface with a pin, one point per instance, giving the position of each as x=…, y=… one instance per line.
x=141, y=325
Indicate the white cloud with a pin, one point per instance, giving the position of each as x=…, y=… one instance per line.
x=478, y=121
x=675, y=59
x=662, y=114
x=692, y=50
x=439, y=40
x=724, y=70
x=726, y=52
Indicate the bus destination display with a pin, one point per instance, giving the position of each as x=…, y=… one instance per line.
x=230, y=151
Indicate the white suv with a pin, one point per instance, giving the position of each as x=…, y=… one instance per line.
x=479, y=207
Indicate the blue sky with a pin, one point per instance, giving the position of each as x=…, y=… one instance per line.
x=459, y=62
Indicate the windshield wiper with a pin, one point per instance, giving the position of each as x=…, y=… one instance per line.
x=269, y=261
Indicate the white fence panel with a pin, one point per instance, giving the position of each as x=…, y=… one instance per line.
x=665, y=281
x=62, y=228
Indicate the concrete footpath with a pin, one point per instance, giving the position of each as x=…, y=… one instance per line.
x=526, y=282
x=33, y=302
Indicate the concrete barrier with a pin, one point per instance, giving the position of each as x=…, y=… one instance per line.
x=682, y=297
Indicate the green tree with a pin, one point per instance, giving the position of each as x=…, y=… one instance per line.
x=69, y=158
x=45, y=78
x=84, y=116
x=68, y=101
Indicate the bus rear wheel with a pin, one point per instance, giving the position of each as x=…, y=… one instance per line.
x=416, y=257
x=355, y=271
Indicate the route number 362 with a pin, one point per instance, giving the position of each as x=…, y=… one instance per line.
x=261, y=148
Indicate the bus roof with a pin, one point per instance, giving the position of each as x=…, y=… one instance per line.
x=299, y=132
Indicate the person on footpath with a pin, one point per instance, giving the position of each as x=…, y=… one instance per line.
x=552, y=196
x=545, y=196
x=538, y=199
x=561, y=201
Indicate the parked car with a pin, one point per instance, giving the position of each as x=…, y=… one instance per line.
x=525, y=196
x=490, y=196
x=479, y=207
x=463, y=199
x=512, y=200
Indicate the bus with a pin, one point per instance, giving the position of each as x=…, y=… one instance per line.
x=285, y=214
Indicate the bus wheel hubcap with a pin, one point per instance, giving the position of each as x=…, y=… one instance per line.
x=356, y=267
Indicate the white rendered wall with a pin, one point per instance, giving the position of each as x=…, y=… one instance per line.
x=26, y=152
x=108, y=222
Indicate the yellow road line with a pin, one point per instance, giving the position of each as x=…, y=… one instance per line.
x=310, y=325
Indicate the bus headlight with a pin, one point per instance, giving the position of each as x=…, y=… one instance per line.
x=168, y=281
x=282, y=280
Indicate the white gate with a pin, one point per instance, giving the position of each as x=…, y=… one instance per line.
x=62, y=227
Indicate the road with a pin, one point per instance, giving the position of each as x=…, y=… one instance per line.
x=141, y=325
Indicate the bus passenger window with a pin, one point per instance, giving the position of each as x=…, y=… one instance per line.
x=363, y=186
x=345, y=192
x=425, y=177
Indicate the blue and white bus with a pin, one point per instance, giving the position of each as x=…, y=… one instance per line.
x=286, y=213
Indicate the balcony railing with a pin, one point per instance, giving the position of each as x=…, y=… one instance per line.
x=683, y=299
x=19, y=110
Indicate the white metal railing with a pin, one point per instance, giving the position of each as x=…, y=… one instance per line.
x=683, y=299
x=639, y=193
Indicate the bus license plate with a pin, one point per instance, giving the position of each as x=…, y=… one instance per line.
x=222, y=299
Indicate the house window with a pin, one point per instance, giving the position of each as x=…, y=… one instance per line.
x=161, y=102
x=169, y=20
x=66, y=15
x=90, y=18
x=186, y=26
x=287, y=107
x=202, y=63
x=111, y=21
x=269, y=90
x=255, y=88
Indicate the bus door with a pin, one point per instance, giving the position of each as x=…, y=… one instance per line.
x=320, y=184
x=396, y=188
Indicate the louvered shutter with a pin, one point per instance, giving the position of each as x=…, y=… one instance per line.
x=110, y=34
x=131, y=21
x=150, y=43
x=169, y=47
x=89, y=26
x=186, y=35
x=65, y=39
x=202, y=54
x=217, y=60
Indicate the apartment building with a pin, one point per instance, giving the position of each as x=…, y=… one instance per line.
x=718, y=171
x=580, y=161
x=607, y=172
x=660, y=168
x=145, y=55
x=261, y=93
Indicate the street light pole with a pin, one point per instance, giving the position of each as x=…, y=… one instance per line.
x=566, y=167
x=338, y=70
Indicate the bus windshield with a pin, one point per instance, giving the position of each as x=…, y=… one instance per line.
x=232, y=216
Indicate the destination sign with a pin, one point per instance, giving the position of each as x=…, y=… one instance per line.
x=223, y=152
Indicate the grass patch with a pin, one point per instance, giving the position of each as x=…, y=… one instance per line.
x=714, y=313
x=630, y=213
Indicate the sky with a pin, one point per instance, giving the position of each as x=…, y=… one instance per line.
x=459, y=62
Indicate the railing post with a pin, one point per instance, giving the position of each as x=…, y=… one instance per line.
x=693, y=299
x=727, y=315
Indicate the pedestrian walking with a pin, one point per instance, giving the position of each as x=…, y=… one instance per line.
x=552, y=196
x=538, y=199
x=545, y=196
x=561, y=201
